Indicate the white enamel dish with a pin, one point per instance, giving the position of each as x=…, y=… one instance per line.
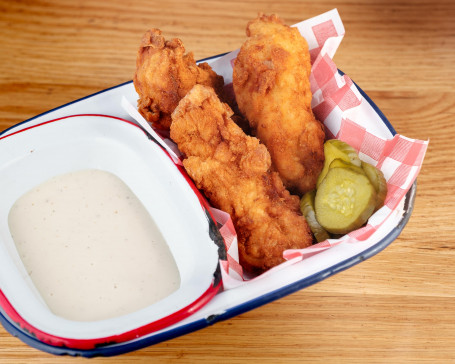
x=228, y=303
x=33, y=155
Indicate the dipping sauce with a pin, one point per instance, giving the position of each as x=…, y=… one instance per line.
x=90, y=247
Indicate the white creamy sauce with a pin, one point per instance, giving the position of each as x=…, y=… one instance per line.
x=90, y=247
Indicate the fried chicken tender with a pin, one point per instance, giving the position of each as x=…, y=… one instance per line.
x=272, y=88
x=164, y=74
x=233, y=170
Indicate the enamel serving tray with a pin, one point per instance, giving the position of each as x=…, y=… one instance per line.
x=225, y=304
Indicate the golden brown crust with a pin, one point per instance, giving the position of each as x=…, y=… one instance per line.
x=164, y=74
x=233, y=170
x=272, y=88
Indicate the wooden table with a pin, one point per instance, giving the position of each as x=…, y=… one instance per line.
x=396, y=307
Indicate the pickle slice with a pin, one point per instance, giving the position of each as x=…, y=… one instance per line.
x=339, y=163
x=307, y=208
x=378, y=181
x=344, y=201
x=337, y=149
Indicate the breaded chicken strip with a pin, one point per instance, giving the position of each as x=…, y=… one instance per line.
x=164, y=74
x=272, y=88
x=233, y=170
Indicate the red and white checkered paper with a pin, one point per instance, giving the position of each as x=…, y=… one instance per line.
x=335, y=100
x=338, y=104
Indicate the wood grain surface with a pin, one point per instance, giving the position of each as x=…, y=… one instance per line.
x=397, y=307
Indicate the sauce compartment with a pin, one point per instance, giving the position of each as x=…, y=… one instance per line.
x=120, y=151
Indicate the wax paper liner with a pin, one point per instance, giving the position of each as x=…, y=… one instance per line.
x=338, y=103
